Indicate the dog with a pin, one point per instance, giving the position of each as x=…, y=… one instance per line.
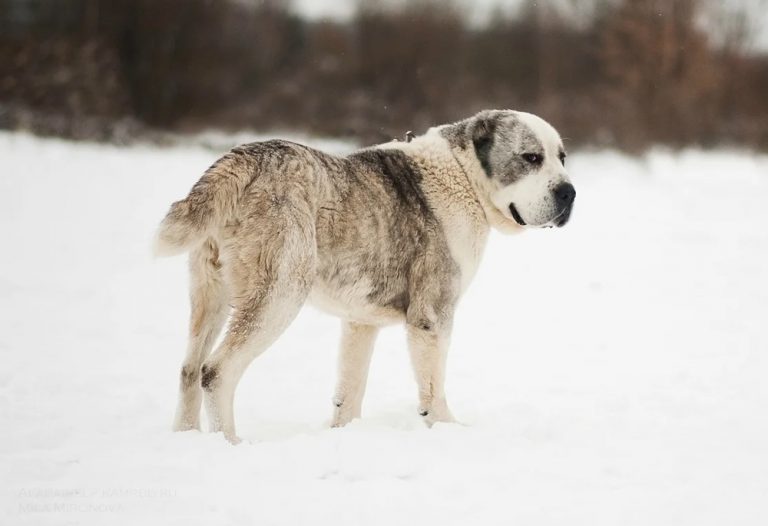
x=388, y=234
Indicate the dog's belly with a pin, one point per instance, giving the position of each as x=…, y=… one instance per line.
x=352, y=303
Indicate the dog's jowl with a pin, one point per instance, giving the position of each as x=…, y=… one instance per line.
x=388, y=234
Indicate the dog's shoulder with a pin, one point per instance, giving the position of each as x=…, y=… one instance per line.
x=449, y=193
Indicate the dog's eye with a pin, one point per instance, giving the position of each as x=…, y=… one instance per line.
x=533, y=158
x=562, y=158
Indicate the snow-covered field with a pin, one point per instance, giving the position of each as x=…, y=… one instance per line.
x=612, y=372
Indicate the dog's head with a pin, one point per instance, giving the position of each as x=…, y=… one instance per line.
x=523, y=167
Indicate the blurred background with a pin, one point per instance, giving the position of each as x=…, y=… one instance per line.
x=626, y=74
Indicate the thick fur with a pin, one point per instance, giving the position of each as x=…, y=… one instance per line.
x=392, y=233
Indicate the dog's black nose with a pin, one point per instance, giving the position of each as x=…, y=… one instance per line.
x=565, y=194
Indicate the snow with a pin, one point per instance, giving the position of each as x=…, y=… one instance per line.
x=612, y=372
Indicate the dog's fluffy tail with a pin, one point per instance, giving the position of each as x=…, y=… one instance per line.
x=212, y=200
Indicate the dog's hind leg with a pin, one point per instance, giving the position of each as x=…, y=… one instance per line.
x=354, y=360
x=272, y=268
x=208, y=302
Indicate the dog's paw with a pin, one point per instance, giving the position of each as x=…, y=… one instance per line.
x=185, y=426
x=439, y=412
x=232, y=438
x=342, y=414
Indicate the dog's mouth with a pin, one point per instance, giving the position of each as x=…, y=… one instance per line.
x=516, y=215
x=559, y=220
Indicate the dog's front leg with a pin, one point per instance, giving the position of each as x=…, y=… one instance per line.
x=354, y=360
x=428, y=345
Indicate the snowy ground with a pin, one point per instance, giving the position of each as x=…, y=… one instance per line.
x=612, y=372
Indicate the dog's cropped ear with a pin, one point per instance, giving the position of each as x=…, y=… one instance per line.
x=482, y=133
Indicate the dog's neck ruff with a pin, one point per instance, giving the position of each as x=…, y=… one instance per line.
x=469, y=168
x=473, y=171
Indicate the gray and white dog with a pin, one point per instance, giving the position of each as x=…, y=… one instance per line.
x=387, y=234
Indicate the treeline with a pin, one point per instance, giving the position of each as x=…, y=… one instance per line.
x=621, y=73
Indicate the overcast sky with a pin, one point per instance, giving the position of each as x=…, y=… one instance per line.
x=479, y=10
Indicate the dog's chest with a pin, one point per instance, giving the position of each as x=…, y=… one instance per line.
x=464, y=230
x=454, y=202
x=466, y=242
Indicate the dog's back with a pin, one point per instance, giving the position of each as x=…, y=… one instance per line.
x=217, y=197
